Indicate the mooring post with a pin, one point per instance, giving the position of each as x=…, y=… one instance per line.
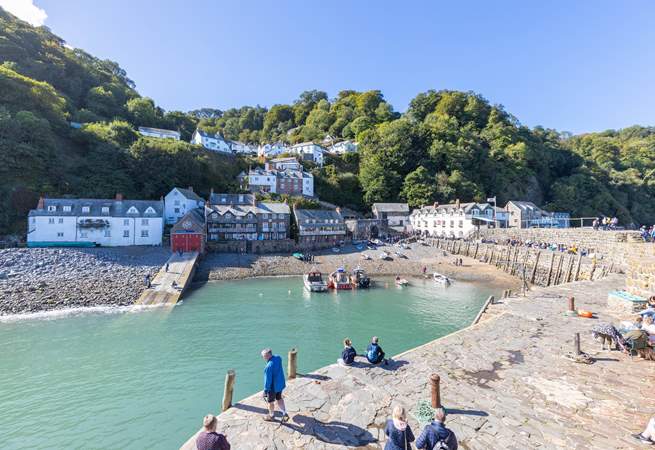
x=577, y=269
x=435, y=388
x=576, y=344
x=475, y=254
x=293, y=363
x=550, y=271
x=534, y=269
x=571, y=304
x=228, y=389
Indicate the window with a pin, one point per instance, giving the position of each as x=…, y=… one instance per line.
x=105, y=209
x=84, y=234
x=85, y=209
x=144, y=222
x=150, y=210
x=176, y=203
x=51, y=220
x=126, y=222
x=126, y=233
x=107, y=233
x=67, y=208
x=133, y=210
x=144, y=233
x=52, y=208
x=61, y=220
x=177, y=210
x=60, y=234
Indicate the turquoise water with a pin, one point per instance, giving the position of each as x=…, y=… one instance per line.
x=135, y=380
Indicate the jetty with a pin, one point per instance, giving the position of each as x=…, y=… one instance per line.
x=505, y=383
x=168, y=285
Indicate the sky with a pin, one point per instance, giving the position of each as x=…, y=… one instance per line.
x=578, y=66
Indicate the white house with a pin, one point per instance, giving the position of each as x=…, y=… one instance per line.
x=455, y=220
x=343, y=147
x=180, y=201
x=279, y=176
x=111, y=223
x=241, y=148
x=396, y=214
x=159, y=133
x=308, y=151
x=214, y=142
x=272, y=150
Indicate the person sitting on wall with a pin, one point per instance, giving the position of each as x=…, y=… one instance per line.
x=374, y=353
x=348, y=354
x=208, y=438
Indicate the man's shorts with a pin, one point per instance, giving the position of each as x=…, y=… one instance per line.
x=271, y=396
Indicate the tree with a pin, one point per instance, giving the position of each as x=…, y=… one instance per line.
x=143, y=112
x=419, y=188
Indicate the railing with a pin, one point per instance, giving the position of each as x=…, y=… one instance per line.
x=560, y=222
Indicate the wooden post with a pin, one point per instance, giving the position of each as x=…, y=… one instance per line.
x=435, y=390
x=491, y=258
x=475, y=254
x=571, y=303
x=550, y=270
x=576, y=344
x=293, y=363
x=558, y=278
x=228, y=389
x=577, y=269
x=534, y=268
x=568, y=272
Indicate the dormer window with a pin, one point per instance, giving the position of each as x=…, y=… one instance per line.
x=150, y=210
x=105, y=209
x=133, y=210
x=52, y=208
x=67, y=208
x=86, y=209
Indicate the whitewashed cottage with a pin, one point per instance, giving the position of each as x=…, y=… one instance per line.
x=214, y=142
x=180, y=201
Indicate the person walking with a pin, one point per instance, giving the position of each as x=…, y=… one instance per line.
x=146, y=280
x=166, y=267
x=436, y=433
x=208, y=438
x=399, y=433
x=274, y=384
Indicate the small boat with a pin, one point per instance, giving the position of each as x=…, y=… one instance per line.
x=401, y=255
x=314, y=282
x=366, y=257
x=299, y=256
x=339, y=280
x=401, y=282
x=384, y=256
x=359, y=278
x=336, y=249
x=360, y=247
x=441, y=279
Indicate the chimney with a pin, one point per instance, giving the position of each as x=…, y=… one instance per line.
x=435, y=204
x=119, y=197
x=254, y=200
x=457, y=203
x=191, y=188
x=41, y=204
x=338, y=210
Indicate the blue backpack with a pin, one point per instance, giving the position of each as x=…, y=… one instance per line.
x=373, y=353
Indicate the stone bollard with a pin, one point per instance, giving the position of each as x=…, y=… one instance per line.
x=571, y=304
x=435, y=390
x=228, y=389
x=293, y=363
x=576, y=344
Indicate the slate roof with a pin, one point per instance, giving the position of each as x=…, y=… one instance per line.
x=159, y=131
x=321, y=216
x=259, y=208
x=231, y=199
x=189, y=194
x=117, y=208
x=391, y=207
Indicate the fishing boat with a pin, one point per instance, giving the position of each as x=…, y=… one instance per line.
x=359, y=279
x=339, y=280
x=314, y=282
x=401, y=282
x=441, y=279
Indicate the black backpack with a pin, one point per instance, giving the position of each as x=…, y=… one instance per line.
x=448, y=443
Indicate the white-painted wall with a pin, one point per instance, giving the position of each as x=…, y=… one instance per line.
x=176, y=205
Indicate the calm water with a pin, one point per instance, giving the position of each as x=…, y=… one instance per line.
x=118, y=380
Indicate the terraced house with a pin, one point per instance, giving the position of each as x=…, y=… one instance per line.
x=319, y=228
x=454, y=220
x=95, y=222
x=239, y=217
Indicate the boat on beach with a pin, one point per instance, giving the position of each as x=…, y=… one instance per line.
x=359, y=279
x=314, y=282
x=339, y=280
x=441, y=279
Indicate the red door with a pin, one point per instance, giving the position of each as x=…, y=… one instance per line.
x=187, y=242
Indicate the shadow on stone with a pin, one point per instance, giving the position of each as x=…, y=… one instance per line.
x=331, y=432
x=467, y=412
x=391, y=365
x=313, y=376
x=249, y=408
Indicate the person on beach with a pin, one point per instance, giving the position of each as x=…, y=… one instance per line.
x=348, y=354
x=274, y=385
x=374, y=353
x=425, y=269
x=399, y=433
x=436, y=433
x=147, y=281
x=166, y=267
x=648, y=435
x=208, y=438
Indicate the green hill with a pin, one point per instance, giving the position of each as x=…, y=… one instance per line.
x=447, y=145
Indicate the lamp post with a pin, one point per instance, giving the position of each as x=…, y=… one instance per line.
x=493, y=199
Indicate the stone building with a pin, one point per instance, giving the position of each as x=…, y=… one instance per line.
x=319, y=228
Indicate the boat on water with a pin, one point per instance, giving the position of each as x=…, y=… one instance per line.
x=359, y=278
x=339, y=280
x=401, y=281
x=314, y=282
x=441, y=279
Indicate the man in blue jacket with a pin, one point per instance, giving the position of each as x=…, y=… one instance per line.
x=436, y=432
x=274, y=385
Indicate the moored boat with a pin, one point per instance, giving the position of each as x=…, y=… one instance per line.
x=314, y=282
x=441, y=279
x=339, y=280
x=401, y=281
x=359, y=278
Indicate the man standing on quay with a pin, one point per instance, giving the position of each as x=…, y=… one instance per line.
x=274, y=385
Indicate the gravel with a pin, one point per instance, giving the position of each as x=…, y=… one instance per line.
x=44, y=279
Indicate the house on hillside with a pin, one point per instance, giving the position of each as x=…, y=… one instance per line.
x=190, y=233
x=180, y=201
x=279, y=176
x=397, y=214
x=240, y=148
x=455, y=220
x=95, y=222
x=271, y=150
x=343, y=147
x=308, y=151
x=319, y=228
x=214, y=142
x=159, y=133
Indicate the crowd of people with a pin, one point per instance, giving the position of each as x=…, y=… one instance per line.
x=605, y=223
x=541, y=245
x=435, y=434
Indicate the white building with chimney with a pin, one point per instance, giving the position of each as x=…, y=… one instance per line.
x=214, y=142
x=308, y=151
x=455, y=220
x=180, y=201
x=61, y=222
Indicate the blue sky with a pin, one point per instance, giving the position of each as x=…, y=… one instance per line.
x=582, y=65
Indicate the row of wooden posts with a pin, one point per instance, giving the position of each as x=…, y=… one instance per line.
x=512, y=259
